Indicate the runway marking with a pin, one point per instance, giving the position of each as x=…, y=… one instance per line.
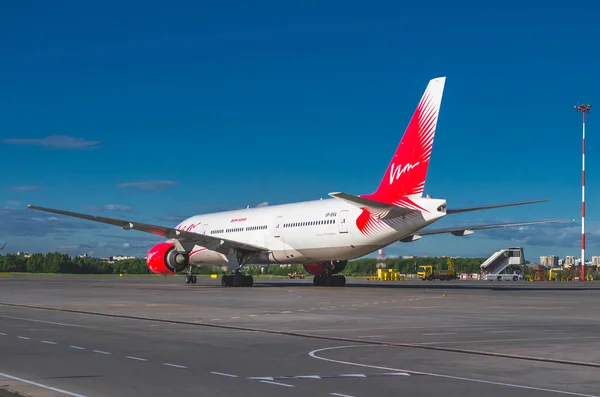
x=43, y=321
x=2, y=333
x=313, y=354
x=299, y=333
x=224, y=374
x=277, y=383
x=68, y=393
x=286, y=312
x=77, y=347
x=174, y=365
x=136, y=358
x=23, y=337
x=100, y=351
x=496, y=332
x=48, y=342
x=440, y=333
x=341, y=395
x=509, y=340
x=215, y=319
x=234, y=317
x=335, y=376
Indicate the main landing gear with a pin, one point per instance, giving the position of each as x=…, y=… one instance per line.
x=329, y=280
x=237, y=279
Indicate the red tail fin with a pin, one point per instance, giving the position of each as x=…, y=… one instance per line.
x=406, y=173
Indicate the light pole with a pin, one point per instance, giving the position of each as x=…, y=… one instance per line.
x=584, y=109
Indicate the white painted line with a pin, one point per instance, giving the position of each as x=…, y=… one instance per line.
x=440, y=333
x=308, y=377
x=341, y=395
x=77, y=347
x=23, y=337
x=48, y=342
x=224, y=374
x=215, y=319
x=261, y=378
x=252, y=315
x=136, y=358
x=43, y=321
x=505, y=340
x=277, y=383
x=286, y=312
x=354, y=375
x=313, y=354
x=496, y=332
x=174, y=365
x=68, y=393
x=100, y=351
x=2, y=333
x=234, y=317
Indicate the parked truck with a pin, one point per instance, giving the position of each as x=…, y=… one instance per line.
x=429, y=273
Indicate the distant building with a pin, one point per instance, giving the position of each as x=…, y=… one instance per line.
x=549, y=260
x=113, y=259
x=595, y=260
x=569, y=261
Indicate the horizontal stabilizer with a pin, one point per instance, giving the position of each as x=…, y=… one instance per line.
x=377, y=208
x=467, y=230
x=488, y=207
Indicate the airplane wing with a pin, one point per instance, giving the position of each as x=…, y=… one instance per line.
x=213, y=243
x=467, y=230
x=487, y=207
x=3, y=246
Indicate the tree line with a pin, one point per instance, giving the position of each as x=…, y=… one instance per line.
x=56, y=262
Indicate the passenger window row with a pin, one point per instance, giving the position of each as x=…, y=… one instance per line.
x=310, y=223
x=238, y=229
x=250, y=228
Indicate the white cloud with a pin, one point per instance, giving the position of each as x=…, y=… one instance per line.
x=56, y=141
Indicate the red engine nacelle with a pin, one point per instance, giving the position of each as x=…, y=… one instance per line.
x=320, y=268
x=164, y=259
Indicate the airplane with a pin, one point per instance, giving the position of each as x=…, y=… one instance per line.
x=3, y=246
x=322, y=235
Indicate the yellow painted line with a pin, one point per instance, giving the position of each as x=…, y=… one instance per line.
x=5, y=275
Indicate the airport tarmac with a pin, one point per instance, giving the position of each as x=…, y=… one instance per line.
x=146, y=336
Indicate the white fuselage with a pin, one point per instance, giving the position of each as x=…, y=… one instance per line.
x=306, y=232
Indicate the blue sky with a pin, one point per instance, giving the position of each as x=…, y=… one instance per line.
x=156, y=111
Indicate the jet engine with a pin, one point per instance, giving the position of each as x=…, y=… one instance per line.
x=321, y=267
x=164, y=259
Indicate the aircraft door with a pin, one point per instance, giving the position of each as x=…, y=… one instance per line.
x=342, y=221
x=277, y=227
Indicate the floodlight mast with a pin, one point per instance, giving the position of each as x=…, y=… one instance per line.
x=584, y=109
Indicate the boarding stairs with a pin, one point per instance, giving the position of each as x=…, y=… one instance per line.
x=502, y=259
